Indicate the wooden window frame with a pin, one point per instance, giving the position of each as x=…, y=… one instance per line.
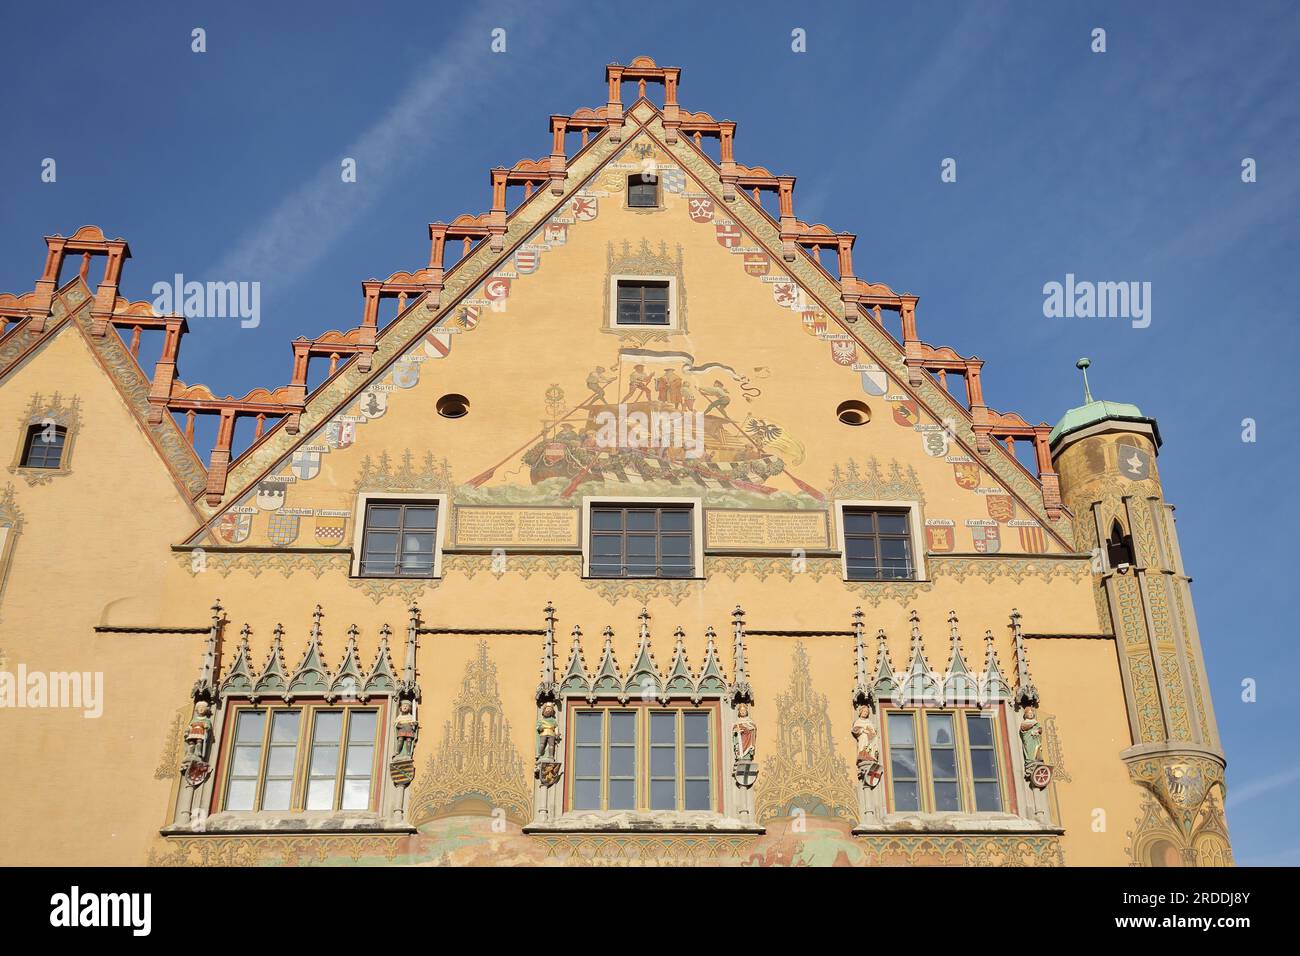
x=30, y=442
x=691, y=535
x=307, y=710
x=362, y=509
x=961, y=744
x=644, y=710
x=636, y=179
x=642, y=283
x=877, y=536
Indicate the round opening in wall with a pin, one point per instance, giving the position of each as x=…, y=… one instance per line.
x=853, y=412
x=453, y=406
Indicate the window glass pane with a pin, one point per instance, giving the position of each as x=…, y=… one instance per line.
x=622, y=761
x=588, y=727
x=640, y=521
x=983, y=765
x=675, y=520
x=361, y=726
x=329, y=724
x=587, y=762
x=902, y=763
x=380, y=564
x=945, y=796
x=320, y=795
x=663, y=728
x=980, y=730
x=697, y=761
x=356, y=794
x=906, y=796
x=940, y=729
x=246, y=760
x=602, y=520
x=420, y=517
x=641, y=568
x=622, y=795
x=383, y=516
x=697, y=728
x=663, y=794
x=900, y=730
x=698, y=795
x=284, y=729
x=858, y=522
x=607, y=545
x=419, y=542
x=251, y=726
x=943, y=763
x=381, y=542
x=641, y=545
x=240, y=794
x=586, y=795
x=279, y=762
x=675, y=546
x=324, y=760
x=276, y=794
x=893, y=548
x=622, y=727
x=987, y=797
x=663, y=761
x=888, y=523
x=359, y=761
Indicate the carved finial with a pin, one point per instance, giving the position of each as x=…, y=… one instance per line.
x=952, y=629
x=278, y=631
x=216, y=611
x=353, y=632
x=549, y=611
x=245, y=631
x=858, y=616
x=385, y=632
x=738, y=615
x=414, y=612
x=1083, y=365
x=1026, y=692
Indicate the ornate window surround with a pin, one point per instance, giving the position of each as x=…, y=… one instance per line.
x=734, y=771
x=218, y=698
x=44, y=412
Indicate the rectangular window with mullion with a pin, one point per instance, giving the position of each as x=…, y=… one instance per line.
x=642, y=302
x=641, y=542
x=877, y=545
x=399, y=539
x=342, y=760
x=961, y=770
x=609, y=764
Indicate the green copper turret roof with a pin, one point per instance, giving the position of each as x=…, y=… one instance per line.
x=1093, y=411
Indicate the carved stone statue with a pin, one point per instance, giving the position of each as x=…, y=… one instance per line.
x=1031, y=736
x=198, y=733
x=548, y=733
x=744, y=735
x=868, y=747
x=408, y=731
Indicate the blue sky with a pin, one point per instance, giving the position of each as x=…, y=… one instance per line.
x=1118, y=166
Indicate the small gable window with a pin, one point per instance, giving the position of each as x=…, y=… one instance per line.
x=44, y=446
x=643, y=191
x=642, y=302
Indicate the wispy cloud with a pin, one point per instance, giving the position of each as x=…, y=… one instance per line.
x=1257, y=788
x=297, y=233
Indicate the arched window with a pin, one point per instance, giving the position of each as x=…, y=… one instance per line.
x=44, y=446
x=1119, y=549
